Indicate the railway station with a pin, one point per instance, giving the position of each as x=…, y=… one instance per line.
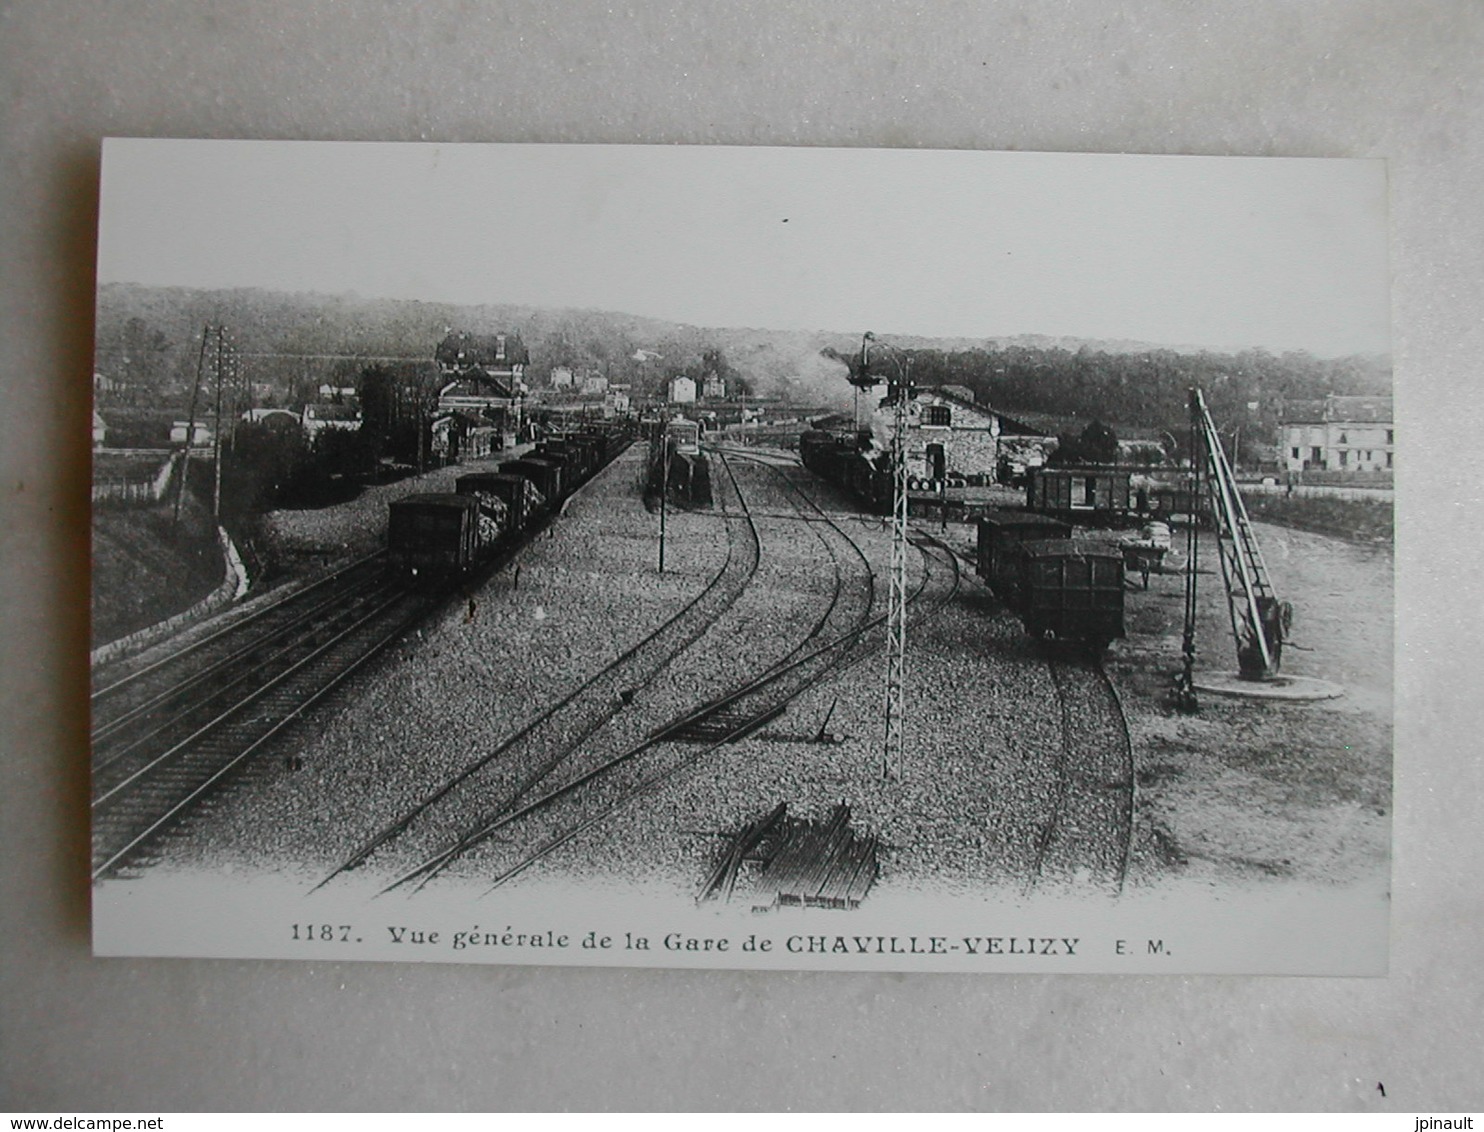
x=635, y=657
x=566, y=584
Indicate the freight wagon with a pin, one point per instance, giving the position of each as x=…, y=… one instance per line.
x=440, y=536
x=518, y=498
x=1168, y=502
x=545, y=474
x=1098, y=495
x=1069, y=592
x=436, y=536
x=1000, y=535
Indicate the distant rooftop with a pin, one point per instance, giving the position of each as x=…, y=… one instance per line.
x=463, y=351
x=1339, y=409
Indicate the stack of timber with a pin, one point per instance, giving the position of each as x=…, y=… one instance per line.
x=798, y=862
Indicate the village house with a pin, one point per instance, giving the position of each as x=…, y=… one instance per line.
x=338, y=394
x=682, y=391
x=319, y=417
x=484, y=375
x=1339, y=434
x=616, y=399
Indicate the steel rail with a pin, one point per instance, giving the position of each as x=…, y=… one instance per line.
x=332, y=603
x=432, y=866
x=429, y=869
x=402, y=824
x=241, y=757
x=236, y=626
x=309, y=630
x=247, y=701
x=1116, y=721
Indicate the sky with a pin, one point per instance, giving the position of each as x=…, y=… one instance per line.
x=1226, y=253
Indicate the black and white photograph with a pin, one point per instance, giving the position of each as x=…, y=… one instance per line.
x=688, y=556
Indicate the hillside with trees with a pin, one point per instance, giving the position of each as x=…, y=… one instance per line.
x=1139, y=389
x=148, y=339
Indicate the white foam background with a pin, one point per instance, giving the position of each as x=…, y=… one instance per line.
x=1344, y=78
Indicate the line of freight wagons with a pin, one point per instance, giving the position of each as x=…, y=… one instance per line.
x=436, y=537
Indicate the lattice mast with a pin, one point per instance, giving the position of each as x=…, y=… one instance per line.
x=894, y=753
x=1259, y=620
x=899, y=393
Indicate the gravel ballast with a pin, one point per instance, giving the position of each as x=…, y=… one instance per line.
x=1237, y=794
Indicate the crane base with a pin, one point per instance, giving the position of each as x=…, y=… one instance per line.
x=1292, y=689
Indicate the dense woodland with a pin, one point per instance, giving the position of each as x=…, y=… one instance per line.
x=149, y=340
x=1140, y=392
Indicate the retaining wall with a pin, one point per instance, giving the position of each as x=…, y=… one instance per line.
x=232, y=588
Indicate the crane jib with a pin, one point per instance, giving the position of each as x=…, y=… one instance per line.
x=1259, y=620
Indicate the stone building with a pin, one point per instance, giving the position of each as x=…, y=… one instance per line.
x=950, y=438
x=484, y=374
x=1339, y=434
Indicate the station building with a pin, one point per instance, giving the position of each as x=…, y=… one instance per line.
x=484, y=376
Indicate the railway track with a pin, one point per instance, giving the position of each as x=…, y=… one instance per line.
x=545, y=741
x=170, y=735
x=131, y=691
x=1088, y=831
x=541, y=822
x=154, y=771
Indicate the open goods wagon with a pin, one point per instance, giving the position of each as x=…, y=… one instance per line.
x=515, y=494
x=544, y=473
x=1070, y=592
x=437, y=535
x=1000, y=535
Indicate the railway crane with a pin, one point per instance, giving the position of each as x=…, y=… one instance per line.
x=1259, y=620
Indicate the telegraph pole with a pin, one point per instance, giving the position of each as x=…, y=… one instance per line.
x=190, y=437
x=664, y=492
x=216, y=432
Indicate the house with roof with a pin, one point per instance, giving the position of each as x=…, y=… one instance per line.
x=949, y=436
x=483, y=374
x=1339, y=434
x=1022, y=447
x=616, y=399
x=320, y=416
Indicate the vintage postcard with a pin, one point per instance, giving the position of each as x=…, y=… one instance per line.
x=725, y=557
